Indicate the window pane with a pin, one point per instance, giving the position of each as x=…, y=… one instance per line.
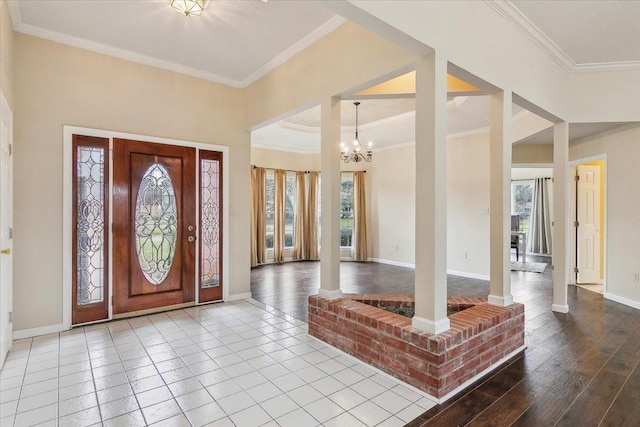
x=90, y=225
x=289, y=209
x=522, y=201
x=346, y=210
x=270, y=199
x=210, y=222
x=156, y=224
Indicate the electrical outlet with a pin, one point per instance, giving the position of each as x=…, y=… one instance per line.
x=396, y=247
x=464, y=255
x=636, y=277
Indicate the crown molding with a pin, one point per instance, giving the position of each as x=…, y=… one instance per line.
x=20, y=26
x=295, y=48
x=512, y=14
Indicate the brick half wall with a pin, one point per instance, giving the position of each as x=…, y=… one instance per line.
x=480, y=336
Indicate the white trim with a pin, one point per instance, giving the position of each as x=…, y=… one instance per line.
x=432, y=326
x=512, y=14
x=237, y=297
x=622, y=300
x=491, y=368
x=330, y=294
x=500, y=301
x=469, y=275
x=20, y=26
x=67, y=208
x=560, y=308
x=42, y=330
x=396, y=263
x=297, y=47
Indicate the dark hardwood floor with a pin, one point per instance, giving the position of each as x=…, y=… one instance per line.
x=579, y=369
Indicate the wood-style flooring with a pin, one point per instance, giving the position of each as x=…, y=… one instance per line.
x=579, y=369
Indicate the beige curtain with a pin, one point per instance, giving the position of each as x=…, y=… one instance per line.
x=299, y=243
x=311, y=219
x=359, y=244
x=278, y=206
x=258, y=216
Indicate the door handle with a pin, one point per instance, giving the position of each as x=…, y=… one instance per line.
x=5, y=251
x=191, y=239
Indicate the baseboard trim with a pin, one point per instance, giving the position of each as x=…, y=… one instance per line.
x=560, y=308
x=491, y=368
x=468, y=275
x=396, y=263
x=622, y=300
x=237, y=297
x=42, y=330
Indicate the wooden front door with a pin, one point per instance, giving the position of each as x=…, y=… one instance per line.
x=154, y=225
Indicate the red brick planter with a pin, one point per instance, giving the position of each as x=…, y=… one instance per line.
x=481, y=335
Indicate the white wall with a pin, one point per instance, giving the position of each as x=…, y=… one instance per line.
x=622, y=150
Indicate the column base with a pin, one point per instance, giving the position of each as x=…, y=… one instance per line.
x=330, y=295
x=560, y=308
x=433, y=327
x=500, y=301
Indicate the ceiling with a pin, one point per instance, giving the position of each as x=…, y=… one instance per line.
x=237, y=42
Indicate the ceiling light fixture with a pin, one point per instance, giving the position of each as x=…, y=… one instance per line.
x=188, y=7
x=356, y=151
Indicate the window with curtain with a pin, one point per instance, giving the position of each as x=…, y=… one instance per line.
x=346, y=210
x=270, y=195
x=290, y=210
x=522, y=201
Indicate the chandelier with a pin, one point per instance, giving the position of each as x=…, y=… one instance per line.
x=356, y=151
x=188, y=7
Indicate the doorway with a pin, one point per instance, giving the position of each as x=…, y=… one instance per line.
x=590, y=225
x=6, y=235
x=147, y=226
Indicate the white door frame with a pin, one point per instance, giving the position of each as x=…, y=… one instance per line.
x=67, y=208
x=572, y=256
x=6, y=240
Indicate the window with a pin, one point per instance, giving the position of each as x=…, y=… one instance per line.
x=521, y=201
x=289, y=209
x=270, y=196
x=346, y=210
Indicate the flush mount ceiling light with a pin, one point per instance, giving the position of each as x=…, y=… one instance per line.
x=188, y=7
x=355, y=155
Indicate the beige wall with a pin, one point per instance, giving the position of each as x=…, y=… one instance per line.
x=288, y=160
x=6, y=53
x=62, y=85
x=532, y=154
x=340, y=61
x=622, y=150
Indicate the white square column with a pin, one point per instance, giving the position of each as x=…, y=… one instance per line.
x=431, y=195
x=330, y=197
x=560, y=216
x=500, y=140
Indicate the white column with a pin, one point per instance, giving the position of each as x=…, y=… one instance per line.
x=330, y=196
x=431, y=195
x=560, y=216
x=500, y=139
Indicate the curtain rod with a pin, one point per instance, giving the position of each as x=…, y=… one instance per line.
x=529, y=179
x=291, y=170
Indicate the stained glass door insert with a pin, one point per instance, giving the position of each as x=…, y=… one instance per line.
x=210, y=226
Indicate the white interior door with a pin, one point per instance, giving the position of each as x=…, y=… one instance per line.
x=6, y=204
x=588, y=224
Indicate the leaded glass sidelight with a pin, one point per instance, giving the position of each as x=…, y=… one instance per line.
x=90, y=208
x=210, y=223
x=156, y=224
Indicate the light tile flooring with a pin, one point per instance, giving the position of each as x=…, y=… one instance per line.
x=242, y=364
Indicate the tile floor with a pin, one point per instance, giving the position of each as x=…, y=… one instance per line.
x=241, y=363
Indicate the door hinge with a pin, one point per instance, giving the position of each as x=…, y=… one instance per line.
x=10, y=149
x=577, y=177
x=576, y=223
x=10, y=316
x=10, y=233
x=576, y=270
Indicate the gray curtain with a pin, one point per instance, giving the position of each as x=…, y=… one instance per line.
x=539, y=238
